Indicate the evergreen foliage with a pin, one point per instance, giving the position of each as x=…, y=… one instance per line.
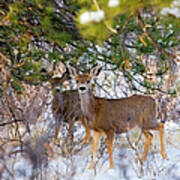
x=38, y=30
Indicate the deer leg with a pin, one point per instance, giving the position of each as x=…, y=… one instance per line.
x=87, y=138
x=95, y=142
x=109, y=144
x=161, y=134
x=148, y=139
x=70, y=130
x=57, y=130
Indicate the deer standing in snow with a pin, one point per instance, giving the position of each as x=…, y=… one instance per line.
x=66, y=107
x=110, y=116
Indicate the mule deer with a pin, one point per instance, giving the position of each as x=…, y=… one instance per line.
x=110, y=116
x=66, y=107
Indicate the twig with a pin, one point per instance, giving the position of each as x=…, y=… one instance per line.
x=127, y=20
x=97, y=5
x=132, y=147
x=5, y=58
x=11, y=122
x=103, y=89
x=136, y=151
x=148, y=36
x=114, y=31
x=140, y=83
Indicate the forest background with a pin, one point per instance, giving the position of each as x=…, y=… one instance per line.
x=135, y=42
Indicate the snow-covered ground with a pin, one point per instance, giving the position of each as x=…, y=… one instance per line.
x=127, y=166
x=126, y=161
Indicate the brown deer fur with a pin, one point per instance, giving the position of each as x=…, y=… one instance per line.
x=110, y=116
x=66, y=107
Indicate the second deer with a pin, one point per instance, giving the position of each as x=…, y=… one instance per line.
x=66, y=108
x=110, y=116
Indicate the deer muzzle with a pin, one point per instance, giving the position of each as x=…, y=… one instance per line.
x=82, y=89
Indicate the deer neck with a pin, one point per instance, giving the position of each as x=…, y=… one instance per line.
x=88, y=104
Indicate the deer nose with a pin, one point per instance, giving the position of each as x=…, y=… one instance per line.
x=82, y=88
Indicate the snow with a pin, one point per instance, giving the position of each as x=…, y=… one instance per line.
x=171, y=125
x=113, y=3
x=125, y=159
x=22, y=169
x=174, y=9
x=92, y=16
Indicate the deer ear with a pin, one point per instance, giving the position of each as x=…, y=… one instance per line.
x=95, y=70
x=59, y=69
x=72, y=70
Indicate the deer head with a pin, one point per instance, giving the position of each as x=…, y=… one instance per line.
x=84, y=80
